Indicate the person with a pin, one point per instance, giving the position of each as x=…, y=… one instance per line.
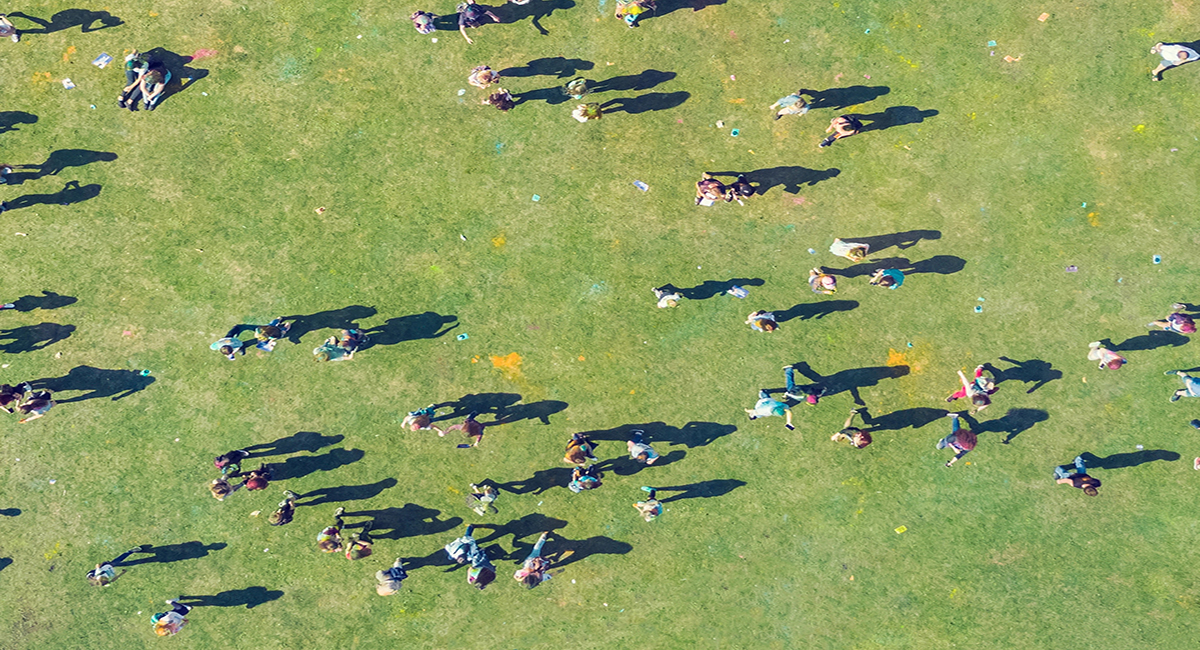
x=329, y=540
x=580, y=450
x=585, y=478
x=792, y=104
x=481, y=499
x=822, y=282
x=852, y=251
x=257, y=479
x=1191, y=387
x=464, y=548
x=960, y=440
x=842, y=126
x=1172, y=55
x=651, y=508
x=230, y=462
x=762, y=321
x=741, y=189
x=11, y=396
x=136, y=65
x=149, y=88
x=501, y=99
x=470, y=427
x=170, y=623
x=1108, y=359
x=639, y=449
x=423, y=22
x=978, y=389
x=576, y=88
x=421, y=420
x=811, y=393
x=483, y=76
x=104, y=574
x=482, y=572
x=890, y=278
x=711, y=189
x=1176, y=322
x=220, y=488
x=8, y=30
x=852, y=434
x=389, y=579
x=287, y=509
x=585, y=112
x=631, y=10
x=38, y=404
x=471, y=15
x=1079, y=478
x=230, y=343
x=333, y=348
x=667, y=297
x=268, y=335
x=359, y=544
x=766, y=407
x=535, y=570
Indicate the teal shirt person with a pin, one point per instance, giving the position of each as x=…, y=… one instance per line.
x=234, y=344
x=890, y=278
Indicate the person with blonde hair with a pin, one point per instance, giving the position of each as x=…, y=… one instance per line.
x=580, y=450
x=852, y=251
x=220, y=488
x=821, y=282
x=170, y=623
x=651, y=508
x=762, y=321
x=585, y=112
x=483, y=76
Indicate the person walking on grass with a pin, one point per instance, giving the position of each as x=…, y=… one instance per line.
x=358, y=545
x=287, y=509
x=220, y=488
x=230, y=462
x=421, y=420
x=268, y=335
x=587, y=112
x=11, y=396
x=762, y=321
x=667, y=296
x=840, y=127
x=651, y=508
x=535, y=570
x=766, y=407
x=230, y=343
x=1079, y=478
x=585, y=478
x=1176, y=322
x=470, y=427
x=501, y=99
x=960, y=440
x=890, y=278
x=481, y=499
x=1108, y=359
x=423, y=22
x=1191, y=386
x=1172, y=55
x=389, y=579
x=821, y=282
x=639, y=449
x=481, y=572
x=257, y=479
x=464, y=549
x=741, y=189
x=792, y=104
x=472, y=15
x=483, y=76
x=711, y=190
x=38, y=405
x=852, y=434
x=104, y=574
x=580, y=450
x=8, y=30
x=978, y=390
x=811, y=393
x=329, y=540
x=170, y=623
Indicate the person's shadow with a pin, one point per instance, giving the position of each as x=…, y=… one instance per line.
x=1013, y=423
x=527, y=526
x=300, y=466
x=410, y=328
x=1034, y=371
x=626, y=466
x=849, y=380
x=182, y=76
x=174, y=552
x=669, y=6
x=810, y=310
x=10, y=512
x=250, y=597
x=701, y=490
x=480, y=403
x=838, y=98
x=1131, y=459
x=33, y=337
x=557, y=66
x=645, y=103
x=68, y=18
x=344, y=493
x=902, y=419
x=536, y=9
x=901, y=240
x=56, y=162
x=72, y=192
x=10, y=119
x=533, y=411
x=791, y=178
x=562, y=551
x=541, y=481
x=309, y=441
x=48, y=300
x=895, y=116
x=1149, y=341
x=712, y=288
x=96, y=382
x=410, y=521
x=940, y=264
x=692, y=434
x=644, y=80
x=340, y=319
x=5, y=562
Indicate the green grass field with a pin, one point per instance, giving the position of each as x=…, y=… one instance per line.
x=207, y=217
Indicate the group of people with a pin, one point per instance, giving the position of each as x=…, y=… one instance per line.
x=340, y=347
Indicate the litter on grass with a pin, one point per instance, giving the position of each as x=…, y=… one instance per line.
x=991, y=43
x=462, y=337
x=641, y=186
x=102, y=60
x=68, y=84
x=1042, y=18
x=536, y=197
x=978, y=308
x=901, y=529
x=737, y=292
x=1072, y=268
x=1157, y=259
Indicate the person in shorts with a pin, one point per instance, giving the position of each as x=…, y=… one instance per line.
x=852, y=434
x=1176, y=321
x=471, y=15
x=1108, y=359
x=766, y=407
x=389, y=579
x=1079, y=478
x=482, y=498
x=1172, y=55
x=639, y=449
x=1191, y=386
x=840, y=127
x=8, y=30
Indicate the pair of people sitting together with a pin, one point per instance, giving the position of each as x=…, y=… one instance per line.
x=147, y=81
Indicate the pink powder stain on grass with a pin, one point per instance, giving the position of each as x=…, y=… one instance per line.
x=800, y=200
x=203, y=54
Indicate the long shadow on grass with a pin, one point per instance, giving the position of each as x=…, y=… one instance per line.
x=895, y=116
x=712, y=288
x=1013, y=423
x=48, y=300
x=1131, y=459
x=541, y=481
x=838, y=98
x=33, y=337
x=809, y=310
x=557, y=66
x=902, y=419
x=847, y=380
x=68, y=18
x=626, y=466
x=96, y=382
x=645, y=103
x=175, y=553
x=339, y=319
x=182, y=76
x=1149, y=341
x=72, y=192
x=309, y=441
x=410, y=328
x=644, y=80
x=901, y=240
x=300, y=466
x=669, y=6
x=701, y=490
x=346, y=493
x=10, y=119
x=410, y=521
x=562, y=551
x=791, y=178
x=940, y=264
x=503, y=406
x=10, y=512
x=5, y=562
x=527, y=526
x=1034, y=371
x=510, y=13
x=56, y=162
x=692, y=434
x=250, y=597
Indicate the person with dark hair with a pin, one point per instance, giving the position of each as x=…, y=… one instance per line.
x=470, y=427
x=979, y=389
x=464, y=548
x=766, y=407
x=821, y=282
x=1079, y=478
x=482, y=497
x=421, y=420
x=258, y=479
x=711, y=190
x=741, y=189
x=639, y=449
x=148, y=86
x=482, y=572
x=472, y=15
x=960, y=440
x=329, y=540
x=1108, y=359
x=423, y=22
x=580, y=450
x=1191, y=386
x=359, y=543
x=38, y=404
x=1177, y=322
x=840, y=127
x=230, y=343
x=287, y=509
x=341, y=347
x=268, y=335
x=501, y=99
x=170, y=623
x=762, y=321
x=651, y=508
x=230, y=462
x=535, y=570
x=11, y=396
x=585, y=478
x=136, y=65
x=811, y=393
x=389, y=579
x=104, y=574
x=668, y=296
x=890, y=278
x=851, y=434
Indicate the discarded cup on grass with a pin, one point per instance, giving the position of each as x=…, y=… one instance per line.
x=1072, y=268
x=536, y=197
x=1158, y=259
x=462, y=337
x=978, y=308
x=144, y=373
x=734, y=133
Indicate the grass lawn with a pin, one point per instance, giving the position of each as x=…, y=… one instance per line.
x=203, y=214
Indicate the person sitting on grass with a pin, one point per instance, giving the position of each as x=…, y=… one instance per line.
x=220, y=488
x=329, y=540
x=851, y=434
x=762, y=321
x=472, y=15
x=482, y=498
x=793, y=104
x=1176, y=322
x=1108, y=359
x=631, y=11
x=580, y=450
x=711, y=190
x=843, y=126
x=149, y=88
x=136, y=65
x=423, y=22
x=258, y=479
x=852, y=251
x=890, y=278
x=389, y=579
x=38, y=404
x=11, y=396
x=667, y=296
x=268, y=335
x=960, y=440
x=585, y=478
x=639, y=449
x=482, y=77
x=287, y=510
x=766, y=407
x=1172, y=55
x=651, y=508
x=1078, y=479
x=340, y=348
x=8, y=30
x=421, y=420
x=822, y=282
x=501, y=99
x=359, y=544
